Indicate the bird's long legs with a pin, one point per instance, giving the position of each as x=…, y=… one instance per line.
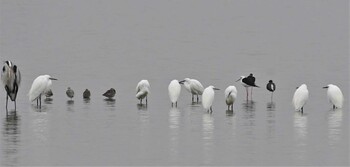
x=7, y=98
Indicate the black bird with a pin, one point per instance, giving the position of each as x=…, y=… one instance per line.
x=271, y=87
x=70, y=93
x=11, y=78
x=48, y=93
x=110, y=93
x=86, y=94
x=248, y=81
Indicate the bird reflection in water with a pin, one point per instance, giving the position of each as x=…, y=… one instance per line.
x=249, y=105
x=11, y=139
x=110, y=102
x=270, y=106
x=141, y=107
x=335, y=119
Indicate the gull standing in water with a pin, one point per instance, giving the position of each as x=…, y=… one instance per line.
x=142, y=90
x=11, y=78
x=70, y=93
x=110, y=93
x=41, y=84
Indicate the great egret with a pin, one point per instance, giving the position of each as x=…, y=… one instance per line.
x=300, y=98
x=142, y=90
x=193, y=86
x=174, y=89
x=230, y=96
x=335, y=96
x=41, y=84
x=208, y=98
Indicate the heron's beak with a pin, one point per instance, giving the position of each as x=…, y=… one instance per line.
x=182, y=82
x=239, y=79
x=216, y=88
x=325, y=87
x=52, y=78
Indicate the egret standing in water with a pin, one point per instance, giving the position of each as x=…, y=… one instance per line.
x=142, y=90
x=335, y=96
x=193, y=86
x=248, y=82
x=271, y=87
x=70, y=93
x=11, y=78
x=300, y=98
x=208, y=98
x=174, y=89
x=230, y=96
x=41, y=84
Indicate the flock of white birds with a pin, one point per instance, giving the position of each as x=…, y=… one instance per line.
x=11, y=79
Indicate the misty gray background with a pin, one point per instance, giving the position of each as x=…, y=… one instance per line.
x=103, y=44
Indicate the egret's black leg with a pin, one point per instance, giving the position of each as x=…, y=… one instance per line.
x=333, y=107
x=146, y=100
x=176, y=104
x=211, y=110
x=197, y=99
x=15, y=105
x=192, y=98
x=7, y=98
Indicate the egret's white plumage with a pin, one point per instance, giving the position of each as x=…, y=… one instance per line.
x=174, y=89
x=40, y=85
x=300, y=97
x=230, y=96
x=208, y=98
x=335, y=96
x=193, y=86
x=142, y=90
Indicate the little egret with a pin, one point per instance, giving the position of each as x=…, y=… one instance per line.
x=41, y=84
x=174, y=89
x=208, y=98
x=248, y=82
x=193, y=86
x=11, y=78
x=70, y=93
x=271, y=87
x=335, y=96
x=230, y=96
x=110, y=93
x=86, y=94
x=142, y=90
x=300, y=98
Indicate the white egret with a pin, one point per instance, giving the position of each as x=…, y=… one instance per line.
x=142, y=90
x=208, y=98
x=230, y=96
x=300, y=98
x=248, y=82
x=40, y=85
x=193, y=86
x=11, y=78
x=110, y=93
x=174, y=89
x=271, y=87
x=335, y=96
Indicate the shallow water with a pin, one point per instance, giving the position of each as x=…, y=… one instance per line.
x=103, y=44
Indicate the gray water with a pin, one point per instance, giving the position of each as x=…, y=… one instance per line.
x=103, y=44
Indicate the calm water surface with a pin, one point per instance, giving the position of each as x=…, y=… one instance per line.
x=103, y=44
